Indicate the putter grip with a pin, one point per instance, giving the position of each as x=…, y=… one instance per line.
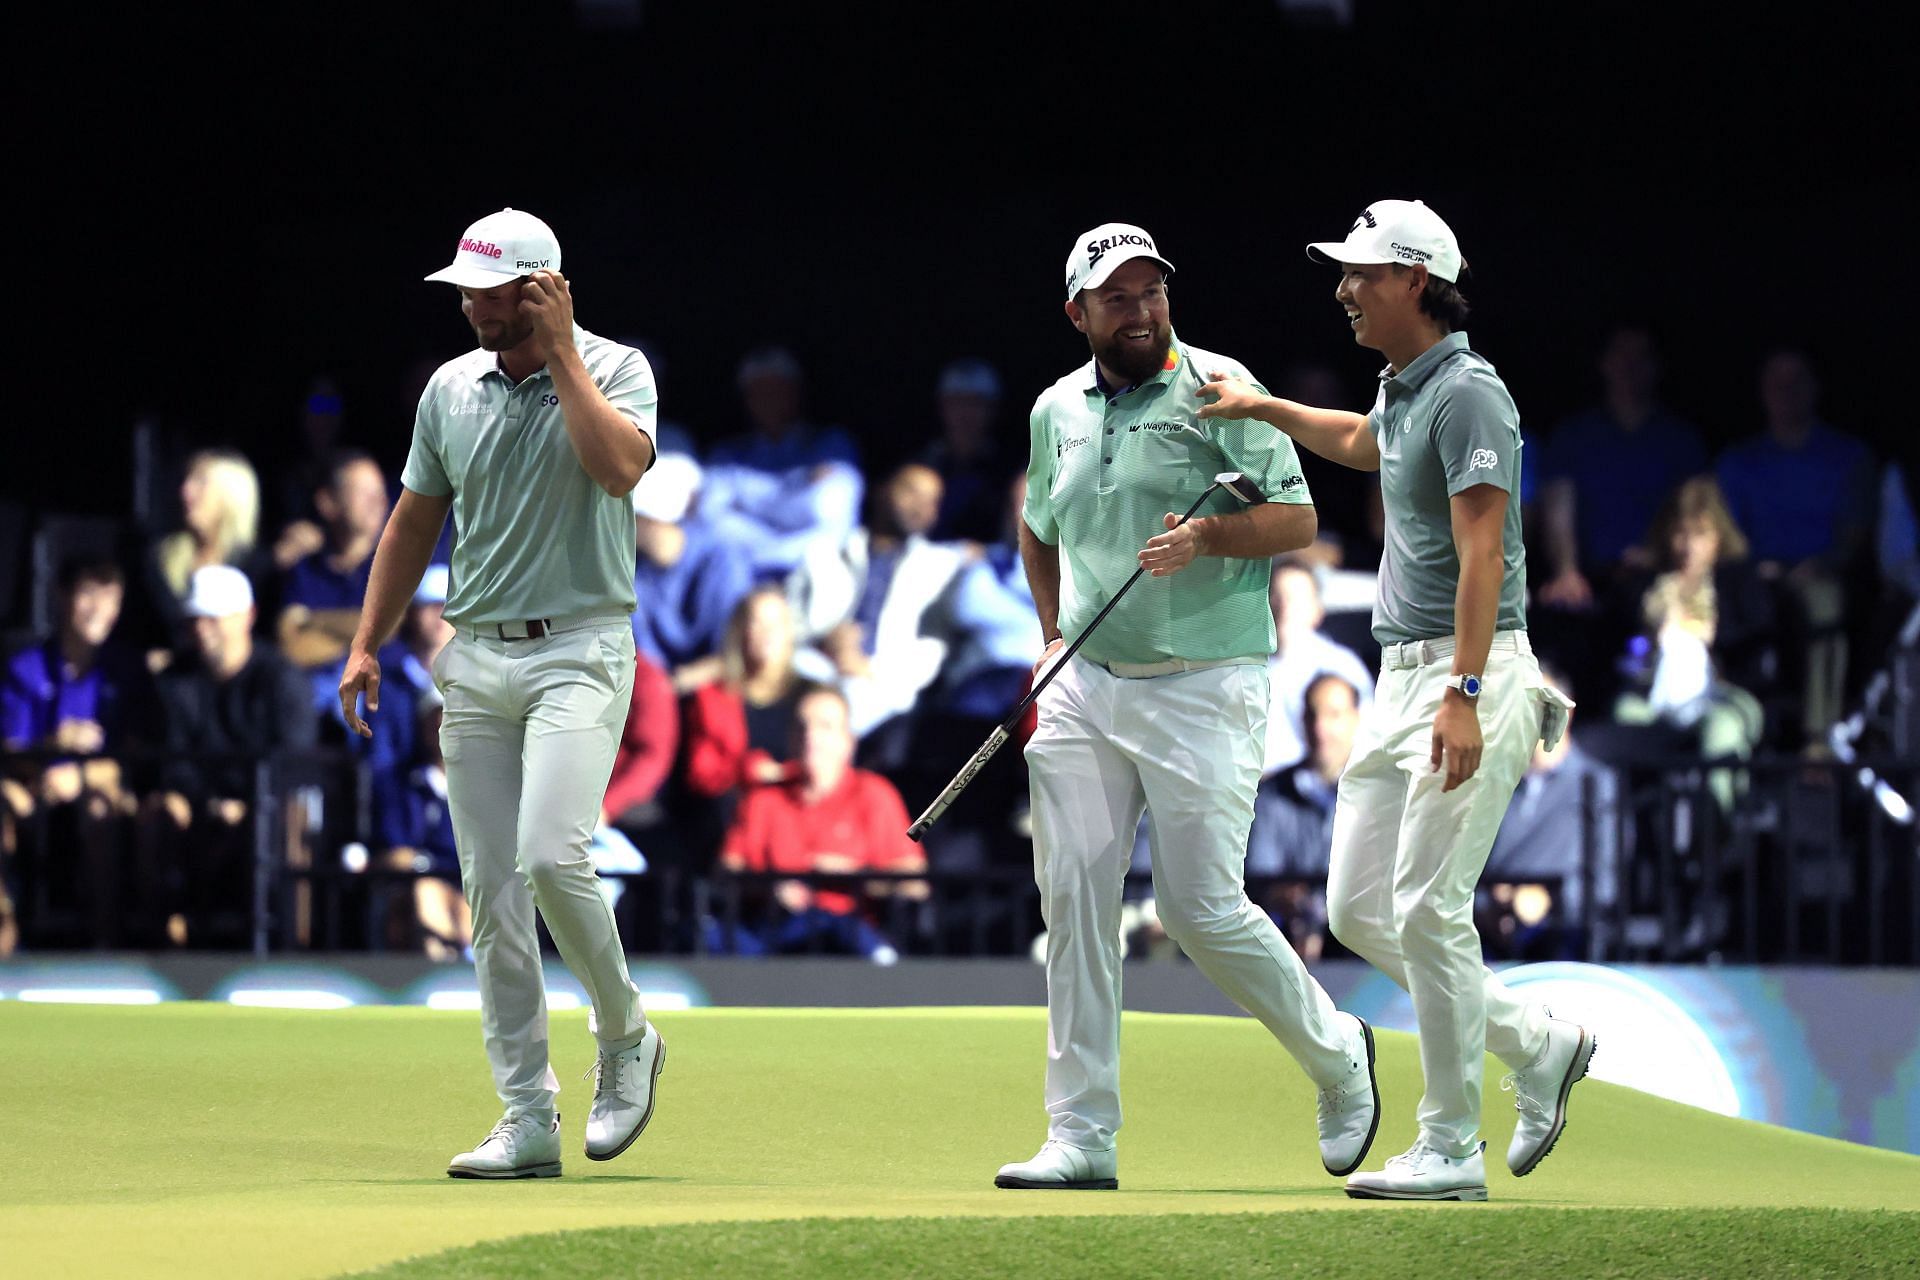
x=960, y=780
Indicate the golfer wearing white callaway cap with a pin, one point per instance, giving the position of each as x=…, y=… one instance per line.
x=534, y=442
x=1461, y=700
x=1163, y=708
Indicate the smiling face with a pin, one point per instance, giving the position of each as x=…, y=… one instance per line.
x=495, y=316
x=1382, y=305
x=1128, y=321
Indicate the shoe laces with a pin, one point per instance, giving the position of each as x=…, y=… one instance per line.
x=605, y=1073
x=1523, y=1102
x=1412, y=1155
x=506, y=1129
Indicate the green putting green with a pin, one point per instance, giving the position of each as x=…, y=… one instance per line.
x=202, y=1140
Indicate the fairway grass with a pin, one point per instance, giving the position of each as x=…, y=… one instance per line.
x=199, y=1140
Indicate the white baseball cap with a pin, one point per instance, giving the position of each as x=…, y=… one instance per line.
x=1403, y=231
x=1099, y=251
x=667, y=490
x=499, y=249
x=218, y=591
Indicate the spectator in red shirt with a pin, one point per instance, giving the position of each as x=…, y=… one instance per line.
x=739, y=727
x=830, y=817
x=645, y=757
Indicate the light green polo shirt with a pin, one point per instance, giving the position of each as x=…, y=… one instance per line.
x=1445, y=423
x=534, y=535
x=1103, y=471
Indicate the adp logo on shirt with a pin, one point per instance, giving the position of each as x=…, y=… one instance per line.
x=1483, y=460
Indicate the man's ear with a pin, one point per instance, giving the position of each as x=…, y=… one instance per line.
x=1417, y=278
x=1076, y=315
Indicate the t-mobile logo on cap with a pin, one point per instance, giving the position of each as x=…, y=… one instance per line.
x=481, y=247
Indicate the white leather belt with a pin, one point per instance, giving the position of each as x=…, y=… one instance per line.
x=539, y=628
x=1173, y=666
x=1418, y=653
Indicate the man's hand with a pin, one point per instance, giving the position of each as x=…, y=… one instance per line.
x=1456, y=739
x=1055, y=647
x=1568, y=590
x=793, y=896
x=546, y=300
x=1232, y=398
x=83, y=736
x=1174, y=550
x=361, y=675
x=229, y=811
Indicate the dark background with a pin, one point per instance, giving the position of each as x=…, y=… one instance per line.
x=215, y=208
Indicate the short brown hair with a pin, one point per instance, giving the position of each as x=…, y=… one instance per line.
x=1700, y=498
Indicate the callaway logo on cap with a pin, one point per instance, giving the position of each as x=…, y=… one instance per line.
x=1403, y=231
x=1099, y=251
x=501, y=248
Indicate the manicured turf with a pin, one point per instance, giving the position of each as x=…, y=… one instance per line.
x=201, y=1140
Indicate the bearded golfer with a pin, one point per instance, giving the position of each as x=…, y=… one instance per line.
x=1163, y=709
x=534, y=441
x=1461, y=701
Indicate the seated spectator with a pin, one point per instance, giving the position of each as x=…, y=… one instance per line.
x=406, y=685
x=300, y=465
x=82, y=693
x=686, y=578
x=859, y=605
x=1293, y=813
x=417, y=836
x=1303, y=653
x=1563, y=821
x=776, y=491
x=239, y=702
x=969, y=457
x=321, y=595
x=830, y=818
x=645, y=757
x=1606, y=472
x=739, y=728
x=220, y=505
x=1706, y=614
x=1803, y=493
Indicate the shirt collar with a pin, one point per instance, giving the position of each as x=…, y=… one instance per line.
x=1415, y=375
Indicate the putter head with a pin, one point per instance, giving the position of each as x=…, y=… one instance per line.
x=1244, y=490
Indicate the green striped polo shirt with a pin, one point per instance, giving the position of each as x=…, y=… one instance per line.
x=534, y=535
x=1102, y=472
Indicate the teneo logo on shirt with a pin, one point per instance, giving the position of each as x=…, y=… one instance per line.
x=481, y=247
x=1065, y=447
x=1483, y=459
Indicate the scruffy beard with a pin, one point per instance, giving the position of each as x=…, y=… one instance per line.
x=1137, y=363
x=507, y=338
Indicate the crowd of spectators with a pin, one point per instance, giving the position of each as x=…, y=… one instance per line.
x=821, y=641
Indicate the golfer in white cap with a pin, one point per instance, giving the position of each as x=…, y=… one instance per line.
x=534, y=442
x=1163, y=709
x=1461, y=700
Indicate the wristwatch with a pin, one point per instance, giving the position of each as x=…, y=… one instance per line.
x=1469, y=686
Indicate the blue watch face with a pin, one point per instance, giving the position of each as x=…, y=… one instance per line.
x=1470, y=685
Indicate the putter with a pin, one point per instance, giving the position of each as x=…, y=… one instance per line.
x=1243, y=490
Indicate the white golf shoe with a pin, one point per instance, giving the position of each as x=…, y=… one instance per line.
x=1540, y=1092
x=1350, y=1110
x=526, y=1146
x=623, y=1088
x=1059, y=1167
x=1425, y=1174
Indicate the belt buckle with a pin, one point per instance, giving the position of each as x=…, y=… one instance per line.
x=532, y=629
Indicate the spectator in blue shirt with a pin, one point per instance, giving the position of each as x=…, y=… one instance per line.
x=417, y=836
x=785, y=486
x=321, y=596
x=969, y=455
x=79, y=692
x=686, y=579
x=1803, y=494
x=1605, y=473
x=406, y=663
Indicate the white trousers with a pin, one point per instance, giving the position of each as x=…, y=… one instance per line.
x=529, y=735
x=1406, y=857
x=1188, y=749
